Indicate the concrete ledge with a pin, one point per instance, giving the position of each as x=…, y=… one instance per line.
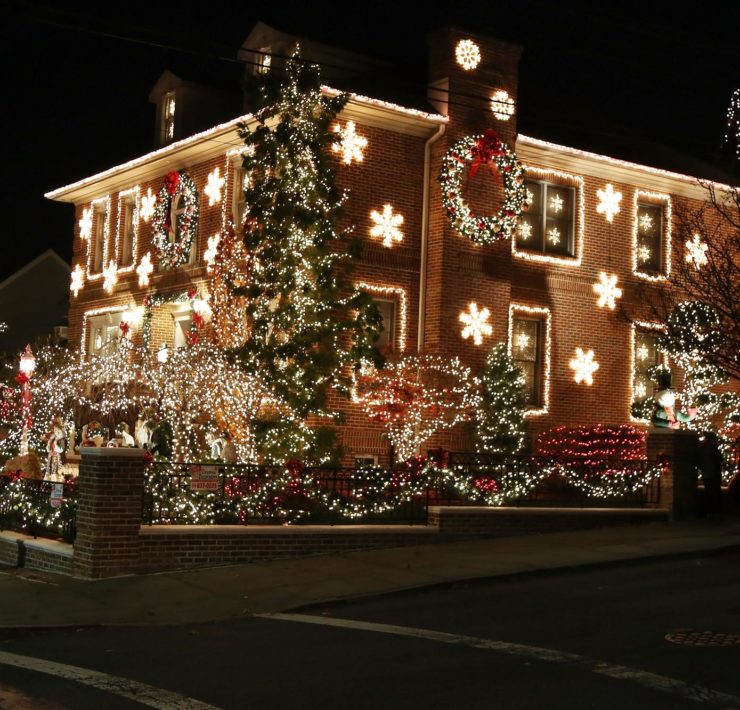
x=285, y=530
x=20, y=550
x=451, y=511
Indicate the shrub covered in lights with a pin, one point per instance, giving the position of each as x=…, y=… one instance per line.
x=593, y=445
x=500, y=417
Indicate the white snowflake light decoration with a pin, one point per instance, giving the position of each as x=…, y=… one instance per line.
x=387, y=226
x=644, y=253
x=148, y=202
x=646, y=222
x=78, y=280
x=144, y=269
x=608, y=291
x=522, y=341
x=111, y=276
x=214, y=186
x=556, y=203
x=584, y=366
x=608, y=202
x=696, y=252
x=502, y=105
x=640, y=390
x=86, y=223
x=642, y=353
x=210, y=254
x=476, y=323
x=467, y=54
x=525, y=230
x=553, y=236
x=351, y=145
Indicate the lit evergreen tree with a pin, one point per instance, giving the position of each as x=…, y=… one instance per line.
x=500, y=424
x=307, y=324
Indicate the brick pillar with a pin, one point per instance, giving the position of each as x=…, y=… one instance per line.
x=111, y=485
x=678, y=484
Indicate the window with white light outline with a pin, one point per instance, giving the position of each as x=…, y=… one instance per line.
x=645, y=354
x=547, y=225
x=529, y=348
x=103, y=333
x=651, y=235
x=128, y=229
x=100, y=219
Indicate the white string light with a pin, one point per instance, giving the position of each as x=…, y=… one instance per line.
x=78, y=280
x=607, y=290
x=144, y=269
x=584, y=366
x=609, y=200
x=351, y=145
x=502, y=105
x=214, y=185
x=467, y=54
x=387, y=225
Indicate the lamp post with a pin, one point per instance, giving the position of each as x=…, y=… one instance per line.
x=26, y=368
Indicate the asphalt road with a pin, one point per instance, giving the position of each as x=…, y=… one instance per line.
x=636, y=635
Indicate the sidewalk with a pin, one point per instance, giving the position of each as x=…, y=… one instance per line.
x=34, y=599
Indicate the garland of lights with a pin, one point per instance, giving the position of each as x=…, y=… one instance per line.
x=175, y=253
x=592, y=445
x=478, y=151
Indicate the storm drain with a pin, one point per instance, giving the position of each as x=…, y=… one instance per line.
x=702, y=638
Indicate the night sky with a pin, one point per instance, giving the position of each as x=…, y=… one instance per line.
x=76, y=77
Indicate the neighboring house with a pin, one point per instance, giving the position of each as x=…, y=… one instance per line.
x=538, y=286
x=34, y=302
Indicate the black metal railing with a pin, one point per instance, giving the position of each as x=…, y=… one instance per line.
x=38, y=508
x=247, y=494
x=250, y=494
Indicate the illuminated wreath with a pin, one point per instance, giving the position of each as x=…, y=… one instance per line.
x=177, y=183
x=478, y=151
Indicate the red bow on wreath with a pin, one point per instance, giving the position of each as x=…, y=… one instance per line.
x=124, y=327
x=22, y=379
x=486, y=148
x=171, y=181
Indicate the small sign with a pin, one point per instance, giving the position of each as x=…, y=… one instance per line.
x=204, y=478
x=56, y=496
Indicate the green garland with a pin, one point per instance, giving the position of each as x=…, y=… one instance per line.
x=477, y=151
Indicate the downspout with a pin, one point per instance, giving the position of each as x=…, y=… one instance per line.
x=425, y=235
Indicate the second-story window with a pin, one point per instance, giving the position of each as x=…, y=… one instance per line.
x=98, y=245
x=527, y=354
x=650, y=238
x=128, y=228
x=546, y=226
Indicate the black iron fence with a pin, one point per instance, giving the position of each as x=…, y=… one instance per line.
x=38, y=508
x=245, y=494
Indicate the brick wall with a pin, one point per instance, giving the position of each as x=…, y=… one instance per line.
x=477, y=522
x=179, y=547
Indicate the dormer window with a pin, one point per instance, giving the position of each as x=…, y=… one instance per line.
x=264, y=60
x=168, y=117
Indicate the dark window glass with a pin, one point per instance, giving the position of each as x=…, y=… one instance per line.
x=546, y=225
x=650, y=238
x=526, y=353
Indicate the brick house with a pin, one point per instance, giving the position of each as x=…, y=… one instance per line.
x=538, y=286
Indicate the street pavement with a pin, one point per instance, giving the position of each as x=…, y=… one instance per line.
x=40, y=600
